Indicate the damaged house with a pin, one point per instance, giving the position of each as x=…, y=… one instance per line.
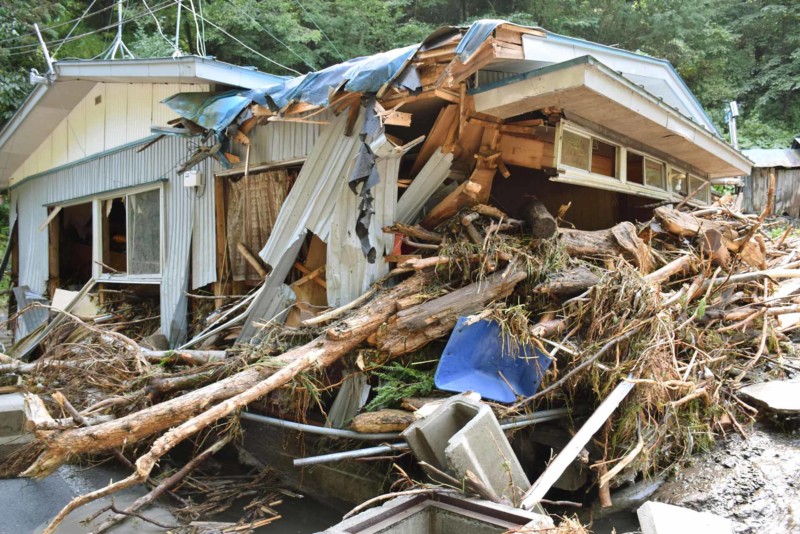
x=179, y=174
x=334, y=254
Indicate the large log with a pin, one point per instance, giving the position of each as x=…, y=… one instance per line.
x=568, y=283
x=542, y=224
x=139, y=425
x=414, y=327
x=619, y=240
x=687, y=225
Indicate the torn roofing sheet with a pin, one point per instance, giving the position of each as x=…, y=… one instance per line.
x=478, y=32
x=214, y=111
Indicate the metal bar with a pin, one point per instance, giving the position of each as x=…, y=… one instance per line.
x=358, y=453
x=321, y=430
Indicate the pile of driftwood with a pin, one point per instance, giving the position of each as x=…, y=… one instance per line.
x=687, y=306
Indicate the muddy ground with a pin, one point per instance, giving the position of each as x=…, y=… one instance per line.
x=753, y=482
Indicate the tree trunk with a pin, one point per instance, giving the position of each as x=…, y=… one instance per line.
x=568, y=283
x=542, y=224
x=415, y=327
x=618, y=240
x=687, y=225
x=132, y=428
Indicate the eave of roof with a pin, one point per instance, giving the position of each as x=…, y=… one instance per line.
x=774, y=157
x=591, y=90
x=46, y=105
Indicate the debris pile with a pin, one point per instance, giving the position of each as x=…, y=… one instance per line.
x=657, y=324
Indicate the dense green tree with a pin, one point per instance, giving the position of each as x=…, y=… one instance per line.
x=747, y=50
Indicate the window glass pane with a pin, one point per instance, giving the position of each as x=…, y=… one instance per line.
x=604, y=158
x=635, y=166
x=575, y=150
x=144, y=229
x=694, y=184
x=654, y=173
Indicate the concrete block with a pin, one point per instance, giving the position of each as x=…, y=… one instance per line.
x=780, y=396
x=463, y=435
x=12, y=417
x=660, y=518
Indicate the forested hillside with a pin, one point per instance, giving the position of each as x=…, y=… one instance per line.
x=748, y=50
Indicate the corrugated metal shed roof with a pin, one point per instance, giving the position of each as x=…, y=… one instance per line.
x=774, y=157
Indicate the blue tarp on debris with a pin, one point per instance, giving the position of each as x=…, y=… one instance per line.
x=366, y=74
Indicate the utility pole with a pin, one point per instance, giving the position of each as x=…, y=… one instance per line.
x=732, y=113
x=118, y=45
x=177, y=52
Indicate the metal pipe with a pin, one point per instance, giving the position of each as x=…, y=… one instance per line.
x=358, y=453
x=506, y=424
x=321, y=430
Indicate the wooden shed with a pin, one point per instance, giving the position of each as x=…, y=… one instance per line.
x=785, y=163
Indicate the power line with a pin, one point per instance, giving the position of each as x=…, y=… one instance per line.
x=31, y=47
x=248, y=15
x=75, y=26
x=158, y=24
x=341, y=56
x=250, y=48
x=45, y=28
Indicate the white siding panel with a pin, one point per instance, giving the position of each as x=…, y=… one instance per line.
x=161, y=113
x=95, y=119
x=116, y=125
x=76, y=132
x=140, y=110
x=59, y=140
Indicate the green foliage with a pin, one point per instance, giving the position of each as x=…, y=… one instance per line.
x=748, y=50
x=398, y=381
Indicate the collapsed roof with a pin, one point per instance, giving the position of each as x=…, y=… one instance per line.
x=643, y=97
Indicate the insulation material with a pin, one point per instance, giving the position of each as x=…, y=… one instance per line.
x=253, y=204
x=430, y=177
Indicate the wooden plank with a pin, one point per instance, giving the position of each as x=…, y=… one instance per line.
x=222, y=285
x=436, y=137
x=474, y=191
x=523, y=152
x=557, y=467
x=54, y=251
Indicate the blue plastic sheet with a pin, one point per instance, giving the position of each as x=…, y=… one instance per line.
x=478, y=357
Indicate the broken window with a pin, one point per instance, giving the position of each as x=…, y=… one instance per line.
x=71, y=247
x=679, y=182
x=144, y=232
x=576, y=150
x=130, y=235
x=604, y=158
x=635, y=168
x=702, y=187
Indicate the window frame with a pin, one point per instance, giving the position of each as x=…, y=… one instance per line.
x=566, y=127
x=577, y=176
x=97, y=236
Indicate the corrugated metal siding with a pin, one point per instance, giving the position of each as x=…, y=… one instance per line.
x=348, y=273
x=30, y=212
x=428, y=180
x=310, y=203
x=188, y=220
x=282, y=140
